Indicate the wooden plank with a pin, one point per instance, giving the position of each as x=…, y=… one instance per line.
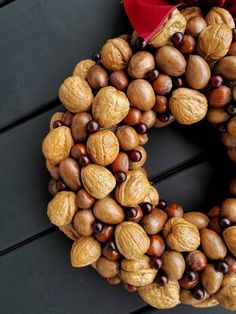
x=41, y=42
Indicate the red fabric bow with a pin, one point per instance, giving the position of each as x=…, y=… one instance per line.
x=148, y=16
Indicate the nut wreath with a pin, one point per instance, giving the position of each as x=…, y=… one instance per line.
x=94, y=152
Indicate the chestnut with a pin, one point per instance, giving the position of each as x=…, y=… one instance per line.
x=161, y=104
x=188, y=45
x=162, y=85
x=133, y=117
x=220, y=96
x=174, y=210
x=157, y=246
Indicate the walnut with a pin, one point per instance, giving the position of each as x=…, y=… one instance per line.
x=57, y=145
x=209, y=302
x=219, y=16
x=97, y=180
x=230, y=239
x=110, y=106
x=134, y=190
x=214, y=42
x=62, y=208
x=188, y=106
x=103, y=147
x=85, y=251
x=190, y=12
x=161, y=298
x=181, y=235
x=56, y=116
x=53, y=170
x=152, y=196
x=175, y=23
x=226, y=296
x=82, y=68
x=70, y=232
x=131, y=240
x=142, y=262
x=115, y=54
x=76, y=94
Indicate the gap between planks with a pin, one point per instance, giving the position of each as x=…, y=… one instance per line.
x=5, y=2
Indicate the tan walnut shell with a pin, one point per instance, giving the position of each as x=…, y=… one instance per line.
x=62, y=208
x=85, y=251
x=97, y=180
x=131, y=240
x=190, y=12
x=115, y=54
x=161, y=298
x=226, y=296
x=70, y=232
x=180, y=235
x=82, y=68
x=57, y=145
x=103, y=147
x=230, y=239
x=219, y=15
x=175, y=23
x=76, y=94
x=214, y=42
x=209, y=302
x=188, y=106
x=152, y=196
x=110, y=106
x=134, y=190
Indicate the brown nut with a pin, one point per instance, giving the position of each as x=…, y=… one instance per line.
x=62, y=208
x=174, y=210
x=78, y=150
x=219, y=15
x=188, y=105
x=161, y=105
x=232, y=49
x=233, y=183
x=114, y=280
x=56, y=116
x=131, y=240
x=214, y=212
x=143, y=139
x=103, y=147
x=107, y=268
x=198, y=219
x=152, y=197
x=70, y=232
x=85, y=251
x=134, y=165
x=188, y=45
x=228, y=209
x=84, y=200
x=231, y=127
x=186, y=297
x=195, y=26
x=214, y=225
x=212, y=244
x=191, y=12
x=140, y=64
x=110, y=106
x=78, y=126
x=219, y=97
x=162, y=85
x=83, y=222
x=196, y=260
x=157, y=246
x=149, y=118
x=97, y=77
x=133, y=117
x=57, y=145
x=106, y=233
x=154, y=222
x=115, y=54
x=170, y=61
x=133, y=190
x=209, y=302
x=161, y=298
x=75, y=94
x=121, y=163
x=110, y=251
x=210, y=44
x=127, y=137
x=175, y=23
x=189, y=284
x=211, y=279
x=173, y=264
x=70, y=173
x=217, y=115
x=67, y=118
x=226, y=296
x=97, y=180
x=82, y=68
x=234, y=92
x=198, y=72
x=108, y=211
x=229, y=236
x=141, y=94
x=231, y=261
x=119, y=80
x=181, y=235
x=52, y=187
x=54, y=170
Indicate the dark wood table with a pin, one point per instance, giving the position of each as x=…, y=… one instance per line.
x=40, y=43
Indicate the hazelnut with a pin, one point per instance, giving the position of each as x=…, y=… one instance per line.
x=107, y=268
x=84, y=200
x=119, y=80
x=149, y=118
x=140, y=64
x=211, y=279
x=161, y=104
x=198, y=219
x=162, y=85
x=121, y=163
x=110, y=251
x=57, y=116
x=78, y=126
x=115, y=54
x=174, y=210
x=228, y=209
x=217, y=115
x=189, y=280
x=133, y=117
x=226, y=67
x=226, y=296
x=173, y=264
x=82, y=68
x=157, y=246
x=196, y=260
x=154, y=222
x=212, y=244
x=198, y=72
x=78, y=150
x=195, y=26
x=188, y=45
x=107, y=210
x=75, y=94
x=83, y=222
x=219, y=97
x=127, y=137
x=229, y=236
x=219, y=15
x=97, y=77
x=231, y=127
x=141, y=94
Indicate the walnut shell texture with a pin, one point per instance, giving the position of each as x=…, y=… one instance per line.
x=110, y=106
x=152, y=196
x=134, y=190
x=181, y=235
x=70, y=232
x=175, y=23
x=161, y=298
x=103, y=147
x=57, y=145
x=230, y=239
x=209, y=302
x=219, y=15
x=188, y=106
x=76, y=94
x=82, y=68
x=142, y=262
x=226, y=296
x=190, y=12
x=97, y=180
x=85, y=251
x=131, y=240
x=62, y=208
x=139, y=278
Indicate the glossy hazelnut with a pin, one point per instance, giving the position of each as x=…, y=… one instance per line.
x=134, y=214
x=196, y=260
x=140, y=64
x=67, y=118
x=219, y=97
x=195, y=26
x=233, y=186
x=78, y=126
x=127, y=137
x=133, y=117
x=154, y=222
x=149, y=118
x=105, y=234
x=215, y=225
x=214, y=212
x=217, y=115
x=157, y=246
x=78, y=150
x=189, y=280
x=97, y=77
x=52, y=187
x=110, y=251
x=121, y=163
x=161, y=104
x=83, y=222
x=174, y=210
x=231, y=261
x=119, y=80
x=188, y=45
x=84, y=200
x=107, y=268
x=162, y=85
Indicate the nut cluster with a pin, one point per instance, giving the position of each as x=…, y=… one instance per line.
x=102, y=198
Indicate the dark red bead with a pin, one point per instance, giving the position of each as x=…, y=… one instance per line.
x=131, y=213
x=141, y=128
x=146, y=207
x=198, y=293
x=234, y=34
x=216, y=81
x=225, y=223
x=222, y=128
x=162, y=204
x=222, y=267
x=163, y=117
x=96, y=57
x=231, y=109
x=61, y=186
x=57, y=124
x=161, y=280
x=157, y=262
x=120, y=176
x=97, y=226
x=189, y=275
x=178, y=82
x=92, y=126
x=177, y=38
x=135, y=155
x=111, y=246
x=152, y=75
x=140, y=43
x=83, y=160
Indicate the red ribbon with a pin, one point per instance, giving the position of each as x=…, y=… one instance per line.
x=148, y=16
